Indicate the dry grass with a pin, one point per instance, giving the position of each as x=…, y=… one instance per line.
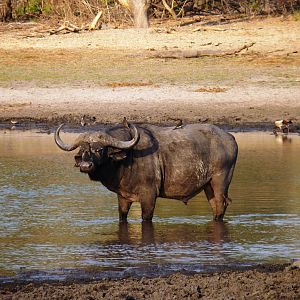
x=211, y=90
x=105, y=58
x=128, y=84
x=14, y=106
x=116, y=69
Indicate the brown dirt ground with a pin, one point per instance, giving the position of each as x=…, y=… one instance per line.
x=106, y=74
x=265, y=282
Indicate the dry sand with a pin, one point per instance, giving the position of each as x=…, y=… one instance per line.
x=257, y=98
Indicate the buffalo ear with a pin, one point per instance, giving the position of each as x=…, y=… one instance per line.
x=116, y=154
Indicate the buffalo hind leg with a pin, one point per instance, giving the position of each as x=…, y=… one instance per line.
x=217, y=195
x=124, y=206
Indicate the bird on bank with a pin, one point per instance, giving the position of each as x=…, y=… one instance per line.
x=179, y=124
x=125, y=123
x=82, y=121
x=282, y=125
x=87, y=120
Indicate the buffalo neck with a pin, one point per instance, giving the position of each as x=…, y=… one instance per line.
x=109, y=174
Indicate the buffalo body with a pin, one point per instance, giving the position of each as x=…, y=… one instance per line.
x=159, y=162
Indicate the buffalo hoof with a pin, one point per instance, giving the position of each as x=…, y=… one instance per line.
x=123, y=220
x=218, y=218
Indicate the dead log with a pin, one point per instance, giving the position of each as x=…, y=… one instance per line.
x=177, y=54
x=66, y=28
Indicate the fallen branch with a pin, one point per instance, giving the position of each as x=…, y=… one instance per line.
x=201, y=28
x=169, y=9
x=67, y=27
x=181, y=12
x=94, y=23
x=176, y=54
x=190, y=22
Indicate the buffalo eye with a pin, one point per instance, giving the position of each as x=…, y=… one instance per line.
x=99, y=151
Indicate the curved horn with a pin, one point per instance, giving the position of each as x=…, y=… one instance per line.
x=128, y=144
x=61, y=144
x=113, y=142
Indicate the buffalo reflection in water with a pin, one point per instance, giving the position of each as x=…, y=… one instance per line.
x=149, y=233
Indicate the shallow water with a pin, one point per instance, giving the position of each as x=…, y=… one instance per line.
x=57, y=224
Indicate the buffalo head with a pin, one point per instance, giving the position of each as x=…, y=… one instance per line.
x=97, y=148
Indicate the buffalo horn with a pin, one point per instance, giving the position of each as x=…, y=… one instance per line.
x=61, y=144
x=113, y=142
x=107, y=140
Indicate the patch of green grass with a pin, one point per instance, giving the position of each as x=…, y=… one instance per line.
x=34, y=7
x=296, y=15
x=47, y=9
x=102, y=68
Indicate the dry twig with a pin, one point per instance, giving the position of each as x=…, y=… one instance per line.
x=169, y=9
x=201, y=28
x=95, y=21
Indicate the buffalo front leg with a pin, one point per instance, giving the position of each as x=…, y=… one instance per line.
x=147, y=206
x=124, y=206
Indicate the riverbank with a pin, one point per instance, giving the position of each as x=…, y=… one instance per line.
x=262, y=282
x=236, y=107
x=108, y=74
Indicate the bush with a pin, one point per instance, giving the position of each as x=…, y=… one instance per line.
x=296, y=15
x=83, y=10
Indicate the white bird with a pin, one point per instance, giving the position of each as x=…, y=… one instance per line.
x=179, y=124
x=282, y=125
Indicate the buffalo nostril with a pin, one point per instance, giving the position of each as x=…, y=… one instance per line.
x=86, y=166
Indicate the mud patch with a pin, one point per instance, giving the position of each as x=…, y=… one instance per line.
x=263, y=282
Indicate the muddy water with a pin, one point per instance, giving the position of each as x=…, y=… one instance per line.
x=56, y=224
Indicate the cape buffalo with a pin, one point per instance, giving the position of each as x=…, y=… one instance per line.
x=143, y=162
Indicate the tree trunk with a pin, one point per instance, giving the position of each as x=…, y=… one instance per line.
x=6, y=10
x=267, y=7
x=140, y=13
x=139, y=9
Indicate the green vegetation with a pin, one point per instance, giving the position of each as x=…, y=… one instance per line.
x=113, y=12
x=33, y=7
x=102, y=68
x=296, y=15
